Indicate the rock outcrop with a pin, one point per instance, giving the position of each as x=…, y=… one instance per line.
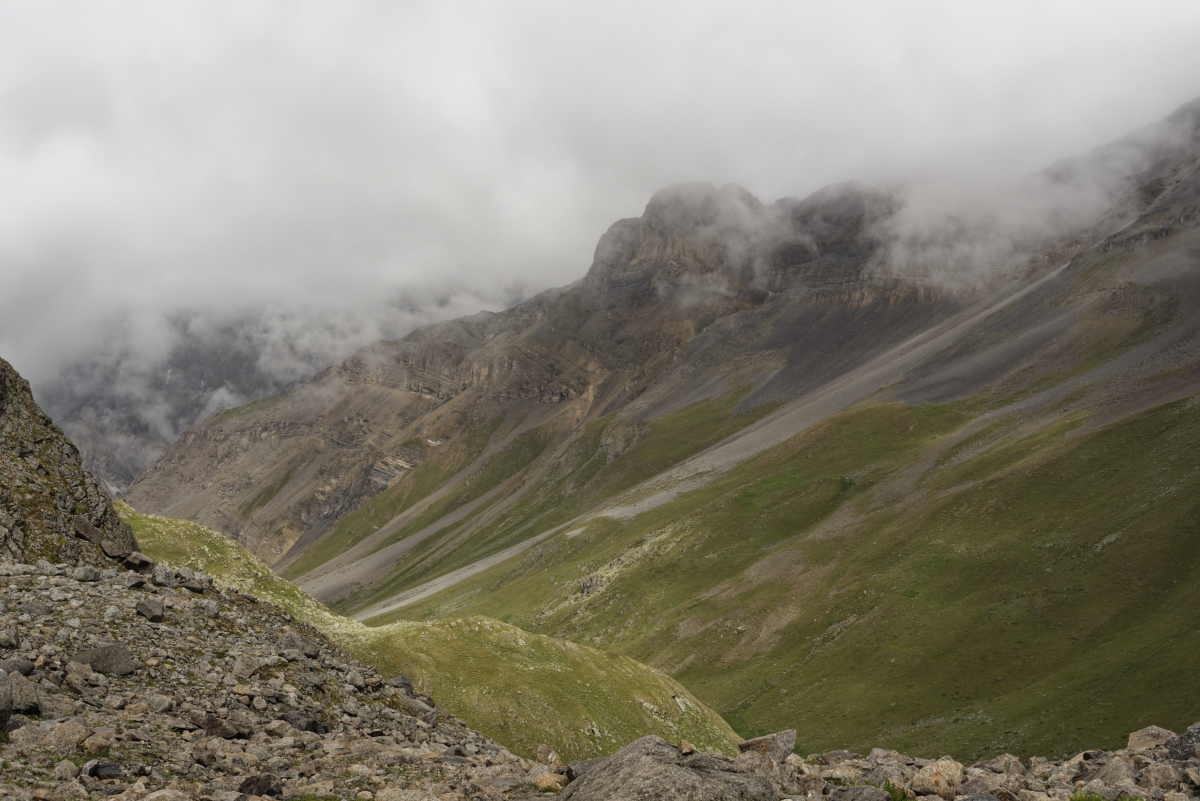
x=50, y=507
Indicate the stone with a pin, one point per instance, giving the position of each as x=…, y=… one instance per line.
x=65, y=771
x=777, y=746
x=263, y=784
x=151, y=609
x=1184, y=746
x=6, y=698
x=85, y=529
x=66, y=736
x=547, y=756
x=159, y=703
x=114, y=550
x=292, y=640
x=1160, y=775
x=548, y=781
x=1005, y=763
x=139, y=563
x=96, y=744
x=131, y=580
x=1115, y=771
x=245, y=666
x=24, y=695
x=940, y=778
x=112, y=660
x=163, y=576
x=16, y=664
x=209, y=608
x=35, y=608
x=1149, y=737
x=862, y=792
x=71, y=790
x=86, y=573
x=651, y=767
x=782, y=776
x=107, y=770
x=167, y=795
x=402, y=683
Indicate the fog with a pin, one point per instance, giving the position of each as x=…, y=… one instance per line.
x=314, y=176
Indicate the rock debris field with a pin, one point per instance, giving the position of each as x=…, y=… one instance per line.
x=149, y=683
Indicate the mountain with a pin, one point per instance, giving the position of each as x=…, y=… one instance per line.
x=779, y=452
x=50, y=507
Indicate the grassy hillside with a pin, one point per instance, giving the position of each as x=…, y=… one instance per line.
x=935, y=578
x=604, y=458
x=521, y=689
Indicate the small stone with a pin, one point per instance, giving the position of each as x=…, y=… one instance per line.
x=262, y=784
x=546, y=755
x=940, y=778
x=159, y=703
x=548, y=781
x=66, y=736
x=209, y=608
x=107, y=770
x=65, y=771
x=777, y=746
x=151, y=609
x=1149, y=737
x=686, y=748
x=292, y=640
x=113, y=660
x=163, y=576
x=132, y=580
x=245, y=666
x=96, y=744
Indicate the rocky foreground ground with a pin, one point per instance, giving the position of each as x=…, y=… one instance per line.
x=140, y=681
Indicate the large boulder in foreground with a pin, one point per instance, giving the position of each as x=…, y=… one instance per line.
x=50, y=507
x=654, y=770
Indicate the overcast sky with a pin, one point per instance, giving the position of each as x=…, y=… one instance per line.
x=345, y=158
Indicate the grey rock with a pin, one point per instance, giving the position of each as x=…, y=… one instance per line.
x=402, y=683
x=132, y=580
x=863, y=792
x=107, y=770
x=35, y=608
x=114, y=549
x=578, y=767
x=262, y=784
x=86, y=573
x=24, y=695
x=209, y=608
x=85, y=529
x=6, y=698
x=18, y=664
x=65, y=771
x=1184, y=746
x=292, y=640
x=151, y=609
x=112, y=660
x=163, y=576
x=9, y=639
x=245, y=666
x=139, y=563
x=777, y=746
x=651, y=768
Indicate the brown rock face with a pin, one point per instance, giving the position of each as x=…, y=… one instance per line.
x=50, y=507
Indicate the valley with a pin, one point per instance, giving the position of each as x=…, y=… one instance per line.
x=756, y=449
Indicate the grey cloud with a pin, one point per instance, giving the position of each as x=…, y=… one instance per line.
x=309, y=165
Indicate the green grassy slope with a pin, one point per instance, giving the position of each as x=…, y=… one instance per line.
x=606, y=457
x=521, y=689
x=921, y=578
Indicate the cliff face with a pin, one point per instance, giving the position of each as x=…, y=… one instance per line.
x=50, y=507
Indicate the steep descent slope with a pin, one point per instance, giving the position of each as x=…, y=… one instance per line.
x=997, y=548
x=50, y=507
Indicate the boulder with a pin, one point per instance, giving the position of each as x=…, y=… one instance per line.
x=262, y=784
x=939, y=778
x=652, y=768
x=1149, y=737
x=1184, y=746
x=86, y=573
x=862, y=792
x=291, y=640
x=777, y=746
x=66, y=737
x=112, y=660
x=6, y=698
x=151, y=609
x=139, y=563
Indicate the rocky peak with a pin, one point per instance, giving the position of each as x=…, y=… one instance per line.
x=50, y=507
